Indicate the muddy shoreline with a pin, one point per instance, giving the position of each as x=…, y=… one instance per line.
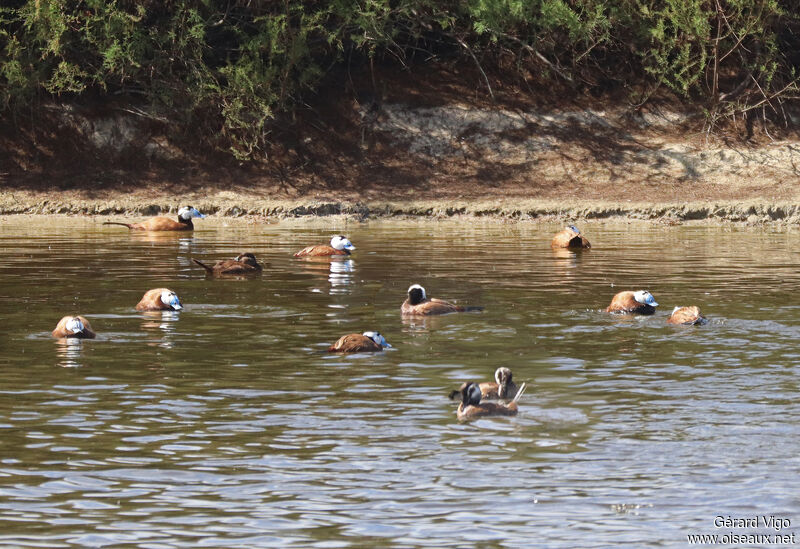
x=722, y=212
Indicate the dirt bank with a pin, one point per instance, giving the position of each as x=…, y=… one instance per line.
x=232, y=205
x=429, y=148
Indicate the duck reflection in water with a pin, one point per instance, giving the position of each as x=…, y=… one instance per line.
x=338, y=270
x=69, y=350
x=341, y=274
x=161, y=324
x=184, y=240
x=423, y=324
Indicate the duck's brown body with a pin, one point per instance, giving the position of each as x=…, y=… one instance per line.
x=355, y=343
x=569, y=239
x=320, y=251
x=158, y=224
x=431, y=306
x=624, y=302
x=61, y=330
x=485, y=409
x=244, y=264
x=151, y=301
x=471, y=406
x=686, y=315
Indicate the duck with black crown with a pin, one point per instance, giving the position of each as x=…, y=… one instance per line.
x=418, y=304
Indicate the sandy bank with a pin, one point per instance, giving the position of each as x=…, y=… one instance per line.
x=231, y=205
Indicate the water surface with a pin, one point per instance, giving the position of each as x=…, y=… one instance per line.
x=228, y=424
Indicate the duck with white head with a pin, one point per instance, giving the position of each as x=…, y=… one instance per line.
x=640, y=302
x=368, y=342
x=184, y=222
x=340, y=245
x=159, y=299
x=73, y=327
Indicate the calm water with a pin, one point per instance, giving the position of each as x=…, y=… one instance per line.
x=228, y=424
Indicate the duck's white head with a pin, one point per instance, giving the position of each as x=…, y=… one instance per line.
x=75, y=325
x=187, y=212
x=340, y=242
x=170, y=298
x=644, y=297
x=574, y=229
x=502, y=374
x=377, y=338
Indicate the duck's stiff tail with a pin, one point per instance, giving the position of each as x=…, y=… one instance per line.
x=203, y=265
x=117, y=223
x=519, y=392
x=471, y=309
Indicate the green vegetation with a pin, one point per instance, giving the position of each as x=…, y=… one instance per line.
x=224, y=70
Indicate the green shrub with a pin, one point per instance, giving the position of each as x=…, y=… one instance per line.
x=223, y=71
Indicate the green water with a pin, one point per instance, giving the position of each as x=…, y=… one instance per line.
x=227, y=424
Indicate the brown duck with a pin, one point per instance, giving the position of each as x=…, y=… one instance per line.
x=471, y=406
x=687, y=316
x=570, y=237
x=368, y=342
x=501, y=388
x=74, y=326
x=184, y=222
x=418, y=304
x=159, y=299
x=340, y=245
x=640, y=303
x=243, y=264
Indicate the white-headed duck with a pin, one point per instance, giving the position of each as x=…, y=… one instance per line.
x=471, y=406
x=502, y=387
x=418, y=304
x=159, y=299
x=242, y=264
x=340, y=245
x=640, y=303
x=570, y=237
x=686, y=315
x=184, y=222
x=74, y=326
x=368, y=342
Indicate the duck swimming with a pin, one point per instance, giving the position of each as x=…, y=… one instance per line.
x=502, y=388
x=570, y=237
x=418, y=304
x=368, y=342
x=159, y=299
x=340, y=245
x=242, y=264
x=471, y=406
x=688, y=316
x=184, y=222
x=74, y=326
x=640, y=303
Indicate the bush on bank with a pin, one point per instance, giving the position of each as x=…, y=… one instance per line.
x=223, y=70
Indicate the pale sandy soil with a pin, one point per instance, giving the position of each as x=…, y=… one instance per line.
x=417, y=158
